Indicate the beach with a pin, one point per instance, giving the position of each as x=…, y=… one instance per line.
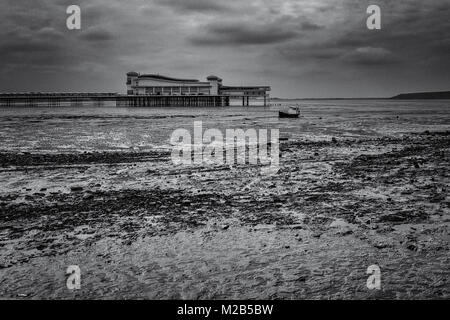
x=361, y=183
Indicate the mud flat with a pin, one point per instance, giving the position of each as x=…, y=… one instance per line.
x=140, y=227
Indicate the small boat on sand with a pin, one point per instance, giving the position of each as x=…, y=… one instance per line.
x=292, y=112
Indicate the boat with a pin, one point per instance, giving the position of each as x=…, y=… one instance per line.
x=292, y=112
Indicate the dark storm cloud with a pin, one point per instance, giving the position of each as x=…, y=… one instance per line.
x=301, y=52
x=301, y=47
x=195, y=5
x=12, y=48
x=262, y=31
x=28, y=41
x=242, y=34
x=417, y=31
x=97, y=34
x=309, y=26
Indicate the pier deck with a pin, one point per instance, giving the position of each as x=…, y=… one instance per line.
x=73, y=99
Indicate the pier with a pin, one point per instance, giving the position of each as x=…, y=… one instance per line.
x=37, y=99
x=173, y=101
x=148, y=90
x=99, y=99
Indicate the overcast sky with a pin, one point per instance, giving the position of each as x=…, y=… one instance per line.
x=302, y=48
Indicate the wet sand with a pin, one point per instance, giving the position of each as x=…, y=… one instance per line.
x=140, y=227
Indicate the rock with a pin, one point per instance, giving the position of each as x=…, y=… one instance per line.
x=76, y=188
x=380, y=245
x=127, y=242
x=393, y=217
x=225, y=227
x=334, y=140
x=318, y=272
x=436, y=198
x=302, y=278
x=88, y=196
x=345, y=232
x=411, y=245
x=316, y=234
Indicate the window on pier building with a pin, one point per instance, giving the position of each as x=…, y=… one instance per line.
x=184, y=89
x=176, y=90
x=204, y=90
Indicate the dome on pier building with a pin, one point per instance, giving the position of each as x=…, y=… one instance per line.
x=212, y=78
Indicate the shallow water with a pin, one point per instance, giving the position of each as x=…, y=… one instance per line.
x=78, y=129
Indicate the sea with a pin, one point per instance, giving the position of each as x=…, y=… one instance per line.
x=109, y=128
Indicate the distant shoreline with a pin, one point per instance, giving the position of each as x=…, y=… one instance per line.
x=439, y=95
x=292, y=99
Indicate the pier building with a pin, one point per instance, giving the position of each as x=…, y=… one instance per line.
x=159, y=85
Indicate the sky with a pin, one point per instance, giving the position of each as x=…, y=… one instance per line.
x=301, y=48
